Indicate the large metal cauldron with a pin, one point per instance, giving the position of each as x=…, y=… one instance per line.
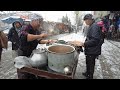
x=60, y=56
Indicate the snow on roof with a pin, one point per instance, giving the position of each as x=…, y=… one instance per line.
x=15, y=16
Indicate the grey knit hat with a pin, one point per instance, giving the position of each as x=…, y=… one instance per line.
x=88, y=16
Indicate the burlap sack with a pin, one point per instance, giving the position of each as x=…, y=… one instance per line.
x=3, y=40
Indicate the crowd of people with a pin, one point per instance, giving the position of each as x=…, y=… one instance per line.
x=111, y=26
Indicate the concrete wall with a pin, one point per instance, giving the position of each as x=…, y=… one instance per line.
x=99, y=14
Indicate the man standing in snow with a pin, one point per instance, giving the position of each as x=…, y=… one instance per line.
x=92, y=45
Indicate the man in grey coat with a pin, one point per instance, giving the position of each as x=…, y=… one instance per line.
x=92, y=45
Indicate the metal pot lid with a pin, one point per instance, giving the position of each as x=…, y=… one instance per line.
x=61, y=42
x=39, y=50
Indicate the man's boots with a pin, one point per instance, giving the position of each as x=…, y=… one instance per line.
x=87, y=75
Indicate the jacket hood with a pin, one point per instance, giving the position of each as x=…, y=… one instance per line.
x=13, y=24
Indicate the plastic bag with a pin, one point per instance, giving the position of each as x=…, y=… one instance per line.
x=21, y=61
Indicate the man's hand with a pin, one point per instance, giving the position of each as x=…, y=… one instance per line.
x=43, y=35
x=47, y=41
x=52, y=41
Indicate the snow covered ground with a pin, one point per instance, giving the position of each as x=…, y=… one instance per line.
x=107, y=66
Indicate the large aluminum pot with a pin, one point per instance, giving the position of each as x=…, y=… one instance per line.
x=38, y=58
x=60, y=56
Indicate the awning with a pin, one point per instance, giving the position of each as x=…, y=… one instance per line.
x=12, y=19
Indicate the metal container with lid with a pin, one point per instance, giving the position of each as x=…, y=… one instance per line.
x=60, y=56
x=38, y=58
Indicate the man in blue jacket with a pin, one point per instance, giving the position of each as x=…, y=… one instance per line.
x=92, y=45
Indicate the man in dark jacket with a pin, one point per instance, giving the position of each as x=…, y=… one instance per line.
x=13, y=36
x=29, y=39
x=92, y=45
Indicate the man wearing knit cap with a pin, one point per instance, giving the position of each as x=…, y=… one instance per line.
x=92, y=45
x=29, y=39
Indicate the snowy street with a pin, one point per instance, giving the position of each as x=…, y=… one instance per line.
x=107, y=65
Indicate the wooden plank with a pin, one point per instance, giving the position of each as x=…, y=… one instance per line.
x=43, y=73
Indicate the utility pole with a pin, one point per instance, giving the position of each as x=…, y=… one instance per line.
x=76, y=18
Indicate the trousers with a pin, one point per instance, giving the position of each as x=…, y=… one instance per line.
x=90, y=64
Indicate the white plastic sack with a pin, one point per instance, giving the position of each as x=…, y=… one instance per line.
x=21, y=61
